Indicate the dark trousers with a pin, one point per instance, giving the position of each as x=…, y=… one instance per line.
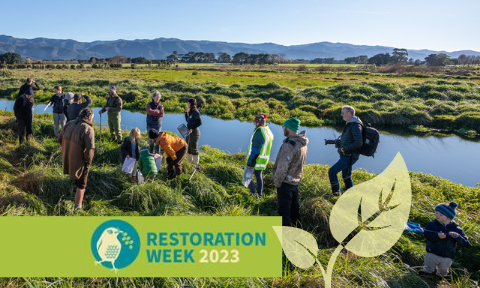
x=192, y=142
x=251, y=186
x=174, y=167
x=345, y=165
x=288, y=203
x=22, y=125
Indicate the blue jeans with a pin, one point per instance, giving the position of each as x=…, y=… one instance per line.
x=157, y=147
x=251, y=186
x=345, y=165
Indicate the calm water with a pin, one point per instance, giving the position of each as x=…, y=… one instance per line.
x=449, y=157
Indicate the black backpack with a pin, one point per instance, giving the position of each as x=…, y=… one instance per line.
x=371, y=138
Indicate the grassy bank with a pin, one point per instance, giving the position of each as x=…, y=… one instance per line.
x=436, y=105
x=32, y=183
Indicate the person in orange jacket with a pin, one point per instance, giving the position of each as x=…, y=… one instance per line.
x=175, y=147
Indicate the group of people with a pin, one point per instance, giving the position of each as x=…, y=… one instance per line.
x=77, y=139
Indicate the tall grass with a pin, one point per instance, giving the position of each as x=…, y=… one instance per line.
x=32, y=183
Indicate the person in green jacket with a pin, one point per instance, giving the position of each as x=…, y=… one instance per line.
x=146, y=163
x=113, y=107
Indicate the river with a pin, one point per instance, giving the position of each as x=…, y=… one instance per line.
x=449, y=157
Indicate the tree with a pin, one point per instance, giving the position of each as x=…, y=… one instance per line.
x=380, y=59
x=399, y=55
x=240, y=58
x=441, y=59
x=117, y=59
x=10, y=58
x=224, y=57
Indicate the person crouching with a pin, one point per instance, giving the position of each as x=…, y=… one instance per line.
x=175, y=148
x=129, y=148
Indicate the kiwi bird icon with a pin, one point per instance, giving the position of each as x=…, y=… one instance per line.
x=108, y=246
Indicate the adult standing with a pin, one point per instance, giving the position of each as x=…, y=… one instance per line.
x=259, y=152
x=192, y=116
x=74, y=109
x=28, y=84
x=155, y=115
x=78, y=147
x=24, y=88
x=23, y=112
x=175, y=147
x=288, y=169
x=67, y=101
x=349, y=150
x=113, y=107
x=58, y=116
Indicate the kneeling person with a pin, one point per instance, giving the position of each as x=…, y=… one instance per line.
x=146, y=163
x=174, y=146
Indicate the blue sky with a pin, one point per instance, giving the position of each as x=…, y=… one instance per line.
x=421, y=24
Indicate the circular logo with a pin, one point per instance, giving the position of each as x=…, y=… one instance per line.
x=115, y=244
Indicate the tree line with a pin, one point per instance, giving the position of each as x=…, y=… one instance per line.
x=398, y=56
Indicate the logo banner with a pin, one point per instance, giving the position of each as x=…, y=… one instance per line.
x=140, y=247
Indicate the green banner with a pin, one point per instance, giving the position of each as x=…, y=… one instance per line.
x=140, y=247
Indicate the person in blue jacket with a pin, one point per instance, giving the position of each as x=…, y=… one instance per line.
x=441, y=246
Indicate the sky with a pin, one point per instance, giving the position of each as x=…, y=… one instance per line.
x=421, y=24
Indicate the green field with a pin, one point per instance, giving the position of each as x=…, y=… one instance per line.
x=427, y=103
x=32, y=184
x=447, y=102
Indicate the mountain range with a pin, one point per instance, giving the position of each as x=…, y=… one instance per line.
x=160, y=48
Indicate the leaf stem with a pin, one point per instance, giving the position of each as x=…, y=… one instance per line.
x=328, y=276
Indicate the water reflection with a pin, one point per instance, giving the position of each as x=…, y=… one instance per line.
x=450, y=157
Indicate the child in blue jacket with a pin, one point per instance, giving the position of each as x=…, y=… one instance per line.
x=441, y=246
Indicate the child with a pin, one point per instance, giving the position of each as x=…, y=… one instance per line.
x=129, y=149
x=146, y=163
x=441, y=246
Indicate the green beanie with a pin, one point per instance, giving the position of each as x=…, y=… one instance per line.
x=292, y=124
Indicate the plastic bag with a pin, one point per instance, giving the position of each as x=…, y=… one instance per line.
x=158, y=160
x=183, y=130
x=140, y=177
x=128, y=165
x=247, y=176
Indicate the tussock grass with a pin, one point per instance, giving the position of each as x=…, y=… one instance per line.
x=32, y=183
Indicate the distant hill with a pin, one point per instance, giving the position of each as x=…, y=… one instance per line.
x=160, y=48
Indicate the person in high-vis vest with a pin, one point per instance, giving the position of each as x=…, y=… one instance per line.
x=259, y=152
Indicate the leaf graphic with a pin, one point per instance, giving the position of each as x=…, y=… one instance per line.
x=295, y=243
x=384, y=204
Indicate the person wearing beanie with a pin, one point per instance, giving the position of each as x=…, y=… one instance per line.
x=175, y=148
x=259, y=152
x=155, y=115
x=22, y=109
x=114, y=107
x=146, y=163
x=74, y=109
x=349, y=149
x=28, y=84
x=441, y=246
x=192, y=116
x=67, y=101
x=78, y=147
x=288, y=169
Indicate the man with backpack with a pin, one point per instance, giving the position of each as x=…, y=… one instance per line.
x=351, y=143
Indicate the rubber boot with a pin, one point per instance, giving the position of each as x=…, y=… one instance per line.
x=196, y=160
x=189, y=158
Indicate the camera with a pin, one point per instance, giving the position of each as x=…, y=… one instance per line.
x=336, y=142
